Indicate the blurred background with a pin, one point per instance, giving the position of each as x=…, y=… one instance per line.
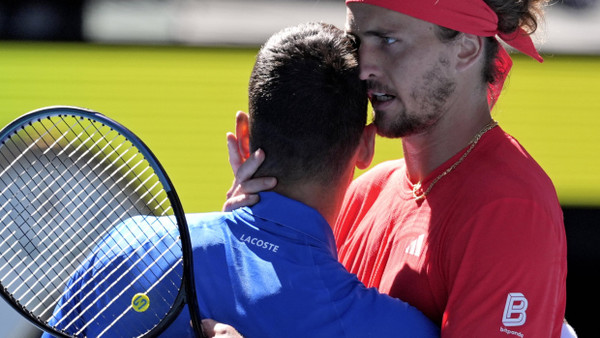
x=176, y=71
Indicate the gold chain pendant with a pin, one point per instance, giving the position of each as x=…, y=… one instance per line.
x=417, y=190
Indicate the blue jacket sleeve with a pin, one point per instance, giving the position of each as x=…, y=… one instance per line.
x=367, y=313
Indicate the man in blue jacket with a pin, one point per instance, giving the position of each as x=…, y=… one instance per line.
x=271, y=270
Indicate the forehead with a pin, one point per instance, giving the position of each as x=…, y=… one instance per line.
x=363, y=18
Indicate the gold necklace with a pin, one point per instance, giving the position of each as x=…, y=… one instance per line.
x=419, y=194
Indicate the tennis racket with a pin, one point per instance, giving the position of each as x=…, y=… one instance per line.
x=93, y=238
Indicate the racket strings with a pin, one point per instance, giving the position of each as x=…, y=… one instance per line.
x=143, y=184
x=24, y=152
x=128, y=309
x=72, y=177
x=63, y=207
x=54, y=198
x=82, y=189
x=43, y=179
x=99, y=284
x=147, y=268
x=102, y=256
x=81, y=254
x=18, y=231
x=46, y=205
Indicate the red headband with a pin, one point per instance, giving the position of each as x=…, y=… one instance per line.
x=467, y=16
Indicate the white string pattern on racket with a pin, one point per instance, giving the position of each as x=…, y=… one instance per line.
x=111, y=177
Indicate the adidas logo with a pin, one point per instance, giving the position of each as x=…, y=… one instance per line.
x=416, y=246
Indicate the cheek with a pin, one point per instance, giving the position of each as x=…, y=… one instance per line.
x=406, y=77
x=434, y=90
x=422, y=71
x=408, y=66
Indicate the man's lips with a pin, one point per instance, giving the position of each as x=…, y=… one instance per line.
x=380, y=97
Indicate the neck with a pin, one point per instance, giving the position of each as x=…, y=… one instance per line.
x=326, y=199
x=426, y=151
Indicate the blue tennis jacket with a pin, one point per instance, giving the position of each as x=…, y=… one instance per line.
x=271, y=270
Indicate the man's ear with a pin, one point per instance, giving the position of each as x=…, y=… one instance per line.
x=242, y=133
x=470, y=48
x=366, y=148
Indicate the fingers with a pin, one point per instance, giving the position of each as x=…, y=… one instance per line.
x=240, y=201
x=208, y=325
x=251, y=186
x=250, y=166
x=242, y=168
x=256, y=185
x=244, y=190
x=246, y=193
x=235, y=156
x=215, y=329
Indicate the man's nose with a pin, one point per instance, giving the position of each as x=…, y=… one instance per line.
x=368, y=62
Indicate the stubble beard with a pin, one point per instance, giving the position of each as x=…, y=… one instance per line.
x=430, y=98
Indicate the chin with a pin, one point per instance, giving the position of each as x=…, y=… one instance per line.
x=390, y=128
x=384, y=130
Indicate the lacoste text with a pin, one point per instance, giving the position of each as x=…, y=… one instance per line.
x=259, y=243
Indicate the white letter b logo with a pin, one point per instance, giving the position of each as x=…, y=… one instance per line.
x=514, y=310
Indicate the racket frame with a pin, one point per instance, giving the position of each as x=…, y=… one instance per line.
x=188, y=292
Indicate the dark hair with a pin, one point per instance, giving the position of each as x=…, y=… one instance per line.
x=512, y=14
x=307, y=105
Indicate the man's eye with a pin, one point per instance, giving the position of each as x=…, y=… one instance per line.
x=388, y=40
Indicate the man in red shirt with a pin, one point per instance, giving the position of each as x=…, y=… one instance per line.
x=466, y=227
